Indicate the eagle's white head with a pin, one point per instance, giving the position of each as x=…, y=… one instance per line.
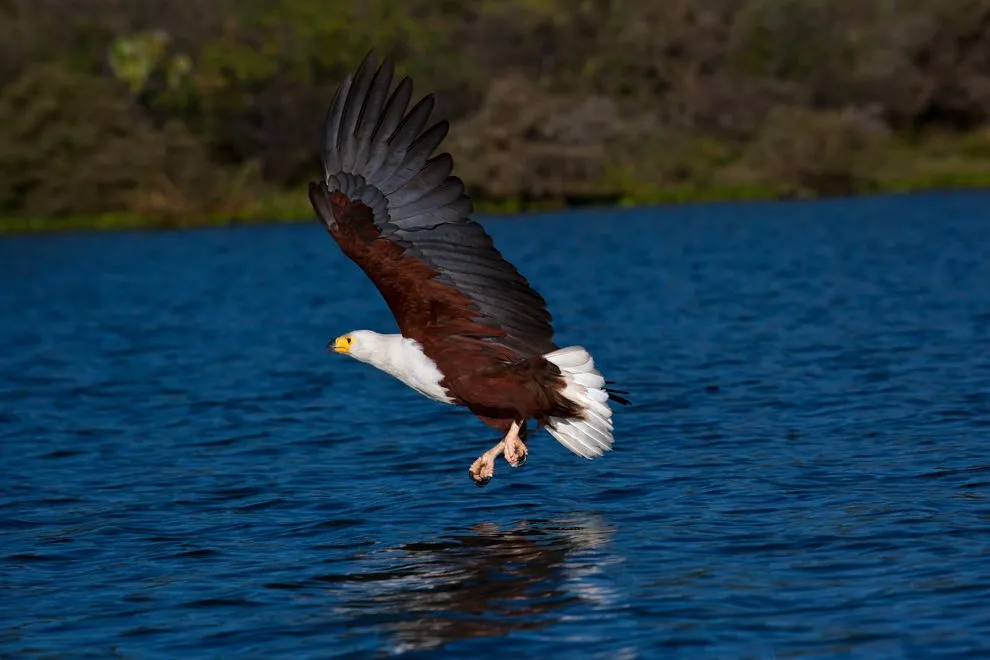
x=364, y=345
x=396, y=355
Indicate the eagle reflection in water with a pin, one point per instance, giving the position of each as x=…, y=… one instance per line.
x=488, y=582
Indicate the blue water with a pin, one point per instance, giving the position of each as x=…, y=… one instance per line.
x=185, y=472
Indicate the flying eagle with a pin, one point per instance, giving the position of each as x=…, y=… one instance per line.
x=473, y=333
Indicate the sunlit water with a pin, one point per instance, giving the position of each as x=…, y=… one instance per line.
x=185, y=472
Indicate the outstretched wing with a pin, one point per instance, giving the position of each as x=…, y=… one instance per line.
x=398, y=213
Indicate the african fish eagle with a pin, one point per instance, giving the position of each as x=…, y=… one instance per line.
x=473, y=333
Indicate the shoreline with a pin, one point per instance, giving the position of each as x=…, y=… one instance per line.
x=283, y=208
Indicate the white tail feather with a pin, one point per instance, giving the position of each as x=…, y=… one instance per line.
x=590, y=436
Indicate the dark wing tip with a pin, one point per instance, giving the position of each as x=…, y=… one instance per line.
x=370, y=59
x=615, y=395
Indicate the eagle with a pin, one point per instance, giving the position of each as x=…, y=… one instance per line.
x=472, y=331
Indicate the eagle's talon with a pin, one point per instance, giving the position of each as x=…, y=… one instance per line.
x=483, y=468
x=516, y=453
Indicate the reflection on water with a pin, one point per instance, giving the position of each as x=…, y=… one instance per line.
x=489, y=582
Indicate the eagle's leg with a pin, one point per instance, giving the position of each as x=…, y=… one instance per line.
x=515, y=445
x=483, y=469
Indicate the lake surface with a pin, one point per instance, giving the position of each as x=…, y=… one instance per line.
x=804, y=471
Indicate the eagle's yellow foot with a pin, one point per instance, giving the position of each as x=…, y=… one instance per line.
x=483, y=468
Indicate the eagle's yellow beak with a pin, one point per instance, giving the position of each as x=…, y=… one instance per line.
x=342, y=344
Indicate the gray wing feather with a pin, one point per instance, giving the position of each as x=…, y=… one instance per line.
x=438, y=217
x=392, y=115
x=432, y=175
x=354, y=108
x=400, y=143
x=371, y=114
x=379, y=152
x=417, y=155
x=331, y=150
x=446, y=193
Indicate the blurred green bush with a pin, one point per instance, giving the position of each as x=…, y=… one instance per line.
x=189, y=110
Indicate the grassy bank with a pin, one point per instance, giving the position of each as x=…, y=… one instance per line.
x=294, y=206
x=802, y=157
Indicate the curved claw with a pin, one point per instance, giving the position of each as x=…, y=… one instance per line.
x=479, y=481
x=516, y=453
x=483, y=468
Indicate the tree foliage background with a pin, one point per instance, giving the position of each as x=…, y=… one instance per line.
x=190, y=108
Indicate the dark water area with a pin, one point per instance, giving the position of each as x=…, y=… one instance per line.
x=804, y=471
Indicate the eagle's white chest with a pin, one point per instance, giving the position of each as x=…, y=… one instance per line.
x=404, y=358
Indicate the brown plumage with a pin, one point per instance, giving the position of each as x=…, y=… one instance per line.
x=481, y=336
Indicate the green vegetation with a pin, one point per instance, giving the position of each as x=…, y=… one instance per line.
x=138, y=114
